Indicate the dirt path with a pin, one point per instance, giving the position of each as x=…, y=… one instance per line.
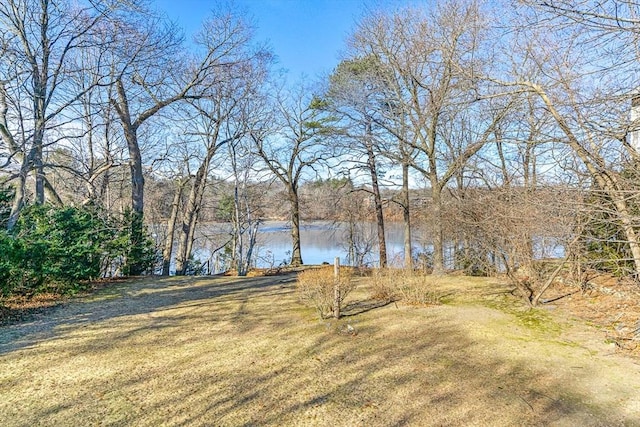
x=219, y=351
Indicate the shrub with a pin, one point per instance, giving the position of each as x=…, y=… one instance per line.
x=61, y=249
x=474, y=262
x=412, y=287
x=8, y=265
x=316, y=288
x=605, y=245
x=57, y=247
x=134, y=251
x=382, y=286
x=6, y=198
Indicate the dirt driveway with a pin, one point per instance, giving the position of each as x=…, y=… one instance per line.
x=231, y=352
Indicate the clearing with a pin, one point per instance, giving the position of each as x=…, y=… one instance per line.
x=221, y=351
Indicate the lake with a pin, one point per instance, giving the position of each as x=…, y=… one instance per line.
x=320, y=241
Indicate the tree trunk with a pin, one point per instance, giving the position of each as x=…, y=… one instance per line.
x=20, y=188
x=39, y=108
x=135, y=157
x=377, y=199
x=190, y=217
x=192, y=225
x=238, y=237
x=136, y=265
x=242, y=221
x=408, y=256
x=137, y=175
x=51, y=193
x=171, y=225
x=438, y=233
x=137, y=203
x=182, y=255
x=39, y=172
x=296, y=255
x=246, y=263
x=18, y=199
x=137, y=181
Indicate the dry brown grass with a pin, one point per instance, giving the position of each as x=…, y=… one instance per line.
x=241, y=352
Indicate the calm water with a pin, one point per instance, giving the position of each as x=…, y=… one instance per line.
x=320, y=241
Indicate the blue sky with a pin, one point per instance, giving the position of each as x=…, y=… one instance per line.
x=306, y=35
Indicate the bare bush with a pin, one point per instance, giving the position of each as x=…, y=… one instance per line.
x=513, y=230
x=382, y=288
x=316, y=288
x=414, y=288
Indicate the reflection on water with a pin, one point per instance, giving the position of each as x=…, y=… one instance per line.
x=320, y=241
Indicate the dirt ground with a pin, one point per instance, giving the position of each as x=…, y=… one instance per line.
x=220, y=351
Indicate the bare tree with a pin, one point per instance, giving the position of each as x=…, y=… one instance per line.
x=609, y=16
x=585, y=80
x=294, y=150
x=244, y=217
x=214, y=138
x=221, y=112
x=354, y=94
x=513, y=229
x=167, y=250
x=95, y=144
x=433, y=59
x=39, y=40
x=154, y=73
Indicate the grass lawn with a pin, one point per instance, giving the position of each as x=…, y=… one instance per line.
x=240, y=352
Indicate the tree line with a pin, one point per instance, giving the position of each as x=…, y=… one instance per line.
x=518, y=121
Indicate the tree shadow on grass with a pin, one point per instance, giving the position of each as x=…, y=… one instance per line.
x=12, y=315
x=431, y=375
x=130, y=298
x=362, y=306
x=257, y=361
x=436, y=375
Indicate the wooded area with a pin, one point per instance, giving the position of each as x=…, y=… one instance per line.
x=498, y=128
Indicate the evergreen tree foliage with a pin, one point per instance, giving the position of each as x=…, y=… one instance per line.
x=134, y=242
x=6, y=197
x=60, y=249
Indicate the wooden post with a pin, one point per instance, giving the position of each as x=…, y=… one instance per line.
x=336, y=287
